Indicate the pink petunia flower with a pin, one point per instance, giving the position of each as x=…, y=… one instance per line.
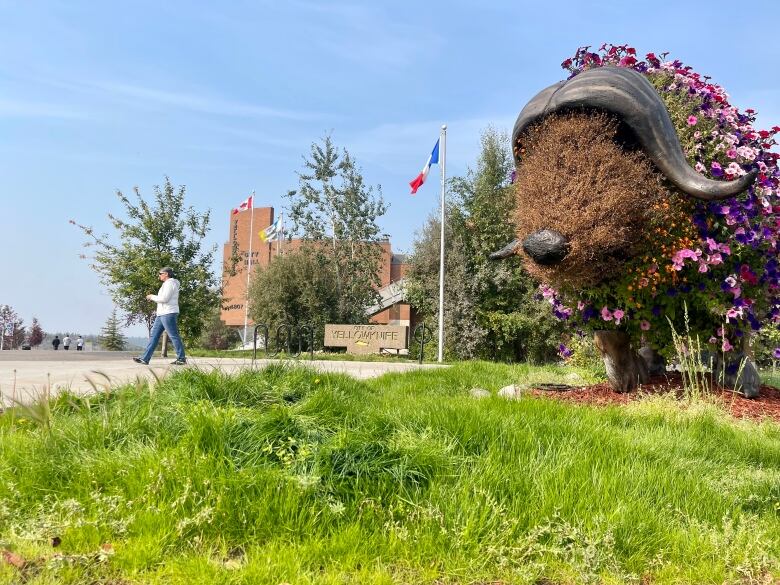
x=692, y=120
x=618, y=315
x=726, y=346
x=734, y=313
x=644, y=325
x=606, y=314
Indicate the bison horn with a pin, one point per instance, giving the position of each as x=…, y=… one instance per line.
x=629, y=96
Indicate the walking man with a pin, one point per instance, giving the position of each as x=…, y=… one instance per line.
x=66, y=342
x=167, y=299
x=80, y=344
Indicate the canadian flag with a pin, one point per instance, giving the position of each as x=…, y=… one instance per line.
x=245, y=204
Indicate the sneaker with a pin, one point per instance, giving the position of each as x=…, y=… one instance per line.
x=178, y=362
x=140, y=360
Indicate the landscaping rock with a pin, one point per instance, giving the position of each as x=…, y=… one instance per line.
x=739, y=372
x=655, y=362
x=479, y=393
x=511, y=392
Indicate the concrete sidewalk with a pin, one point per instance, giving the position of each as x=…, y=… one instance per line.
x=24, y=375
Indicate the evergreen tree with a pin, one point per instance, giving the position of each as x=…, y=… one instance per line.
x=462, y=333
x=111, y=338
x=36, y=334
x=164, y=232
x=336, y=212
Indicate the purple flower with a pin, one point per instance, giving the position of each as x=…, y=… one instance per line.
x=588, y=313
x=776, y=353
x=564, y=351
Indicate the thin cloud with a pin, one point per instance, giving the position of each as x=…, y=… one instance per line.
x=397, y=145
x=27, y=109
x=366, y=35
x=201, y=103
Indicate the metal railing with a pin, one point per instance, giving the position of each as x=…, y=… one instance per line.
x=422, y=335
x=285, y=333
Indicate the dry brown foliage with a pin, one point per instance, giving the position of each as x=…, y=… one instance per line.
x=576, y=179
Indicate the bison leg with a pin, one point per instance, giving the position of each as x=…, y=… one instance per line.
x=625, y=369
x=655, y=362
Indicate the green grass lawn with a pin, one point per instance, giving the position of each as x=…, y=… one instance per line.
x=288, y=476
x=304, y=356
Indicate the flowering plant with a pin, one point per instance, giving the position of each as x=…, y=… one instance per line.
x=718, y=257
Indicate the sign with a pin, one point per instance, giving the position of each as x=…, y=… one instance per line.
x=362, y=339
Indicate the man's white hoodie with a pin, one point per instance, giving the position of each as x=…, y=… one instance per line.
x=167, y=298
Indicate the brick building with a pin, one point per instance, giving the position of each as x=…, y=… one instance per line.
x=391, y=310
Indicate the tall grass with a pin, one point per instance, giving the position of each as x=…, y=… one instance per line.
x=286, y=475
x=696, y=375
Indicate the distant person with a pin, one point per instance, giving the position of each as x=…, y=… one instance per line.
x=55, y=342
x=66, y=342
x=167, y=299
x=80, y=343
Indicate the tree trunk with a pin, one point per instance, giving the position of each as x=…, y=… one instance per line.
x=625, y=369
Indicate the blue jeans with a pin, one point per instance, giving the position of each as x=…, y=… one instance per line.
x=169, y=323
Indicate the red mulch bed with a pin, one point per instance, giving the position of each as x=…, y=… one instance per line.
x=767, y=405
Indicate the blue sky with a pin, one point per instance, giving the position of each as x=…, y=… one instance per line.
x=226, y=98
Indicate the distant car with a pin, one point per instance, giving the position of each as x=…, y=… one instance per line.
x=26, y=346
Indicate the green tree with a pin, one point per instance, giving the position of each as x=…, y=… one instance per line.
x=10, y=324
x=217, y=335
x=294, y=290
x=36, y=334
x=111, y=338
x=163, y=232
x=462, y=333
x=490, y=306
x=337, y=213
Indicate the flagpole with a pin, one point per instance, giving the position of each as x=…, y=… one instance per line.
x=443, y=169
x=249, y=264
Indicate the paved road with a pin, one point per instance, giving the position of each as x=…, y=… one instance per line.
x=26, y=374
